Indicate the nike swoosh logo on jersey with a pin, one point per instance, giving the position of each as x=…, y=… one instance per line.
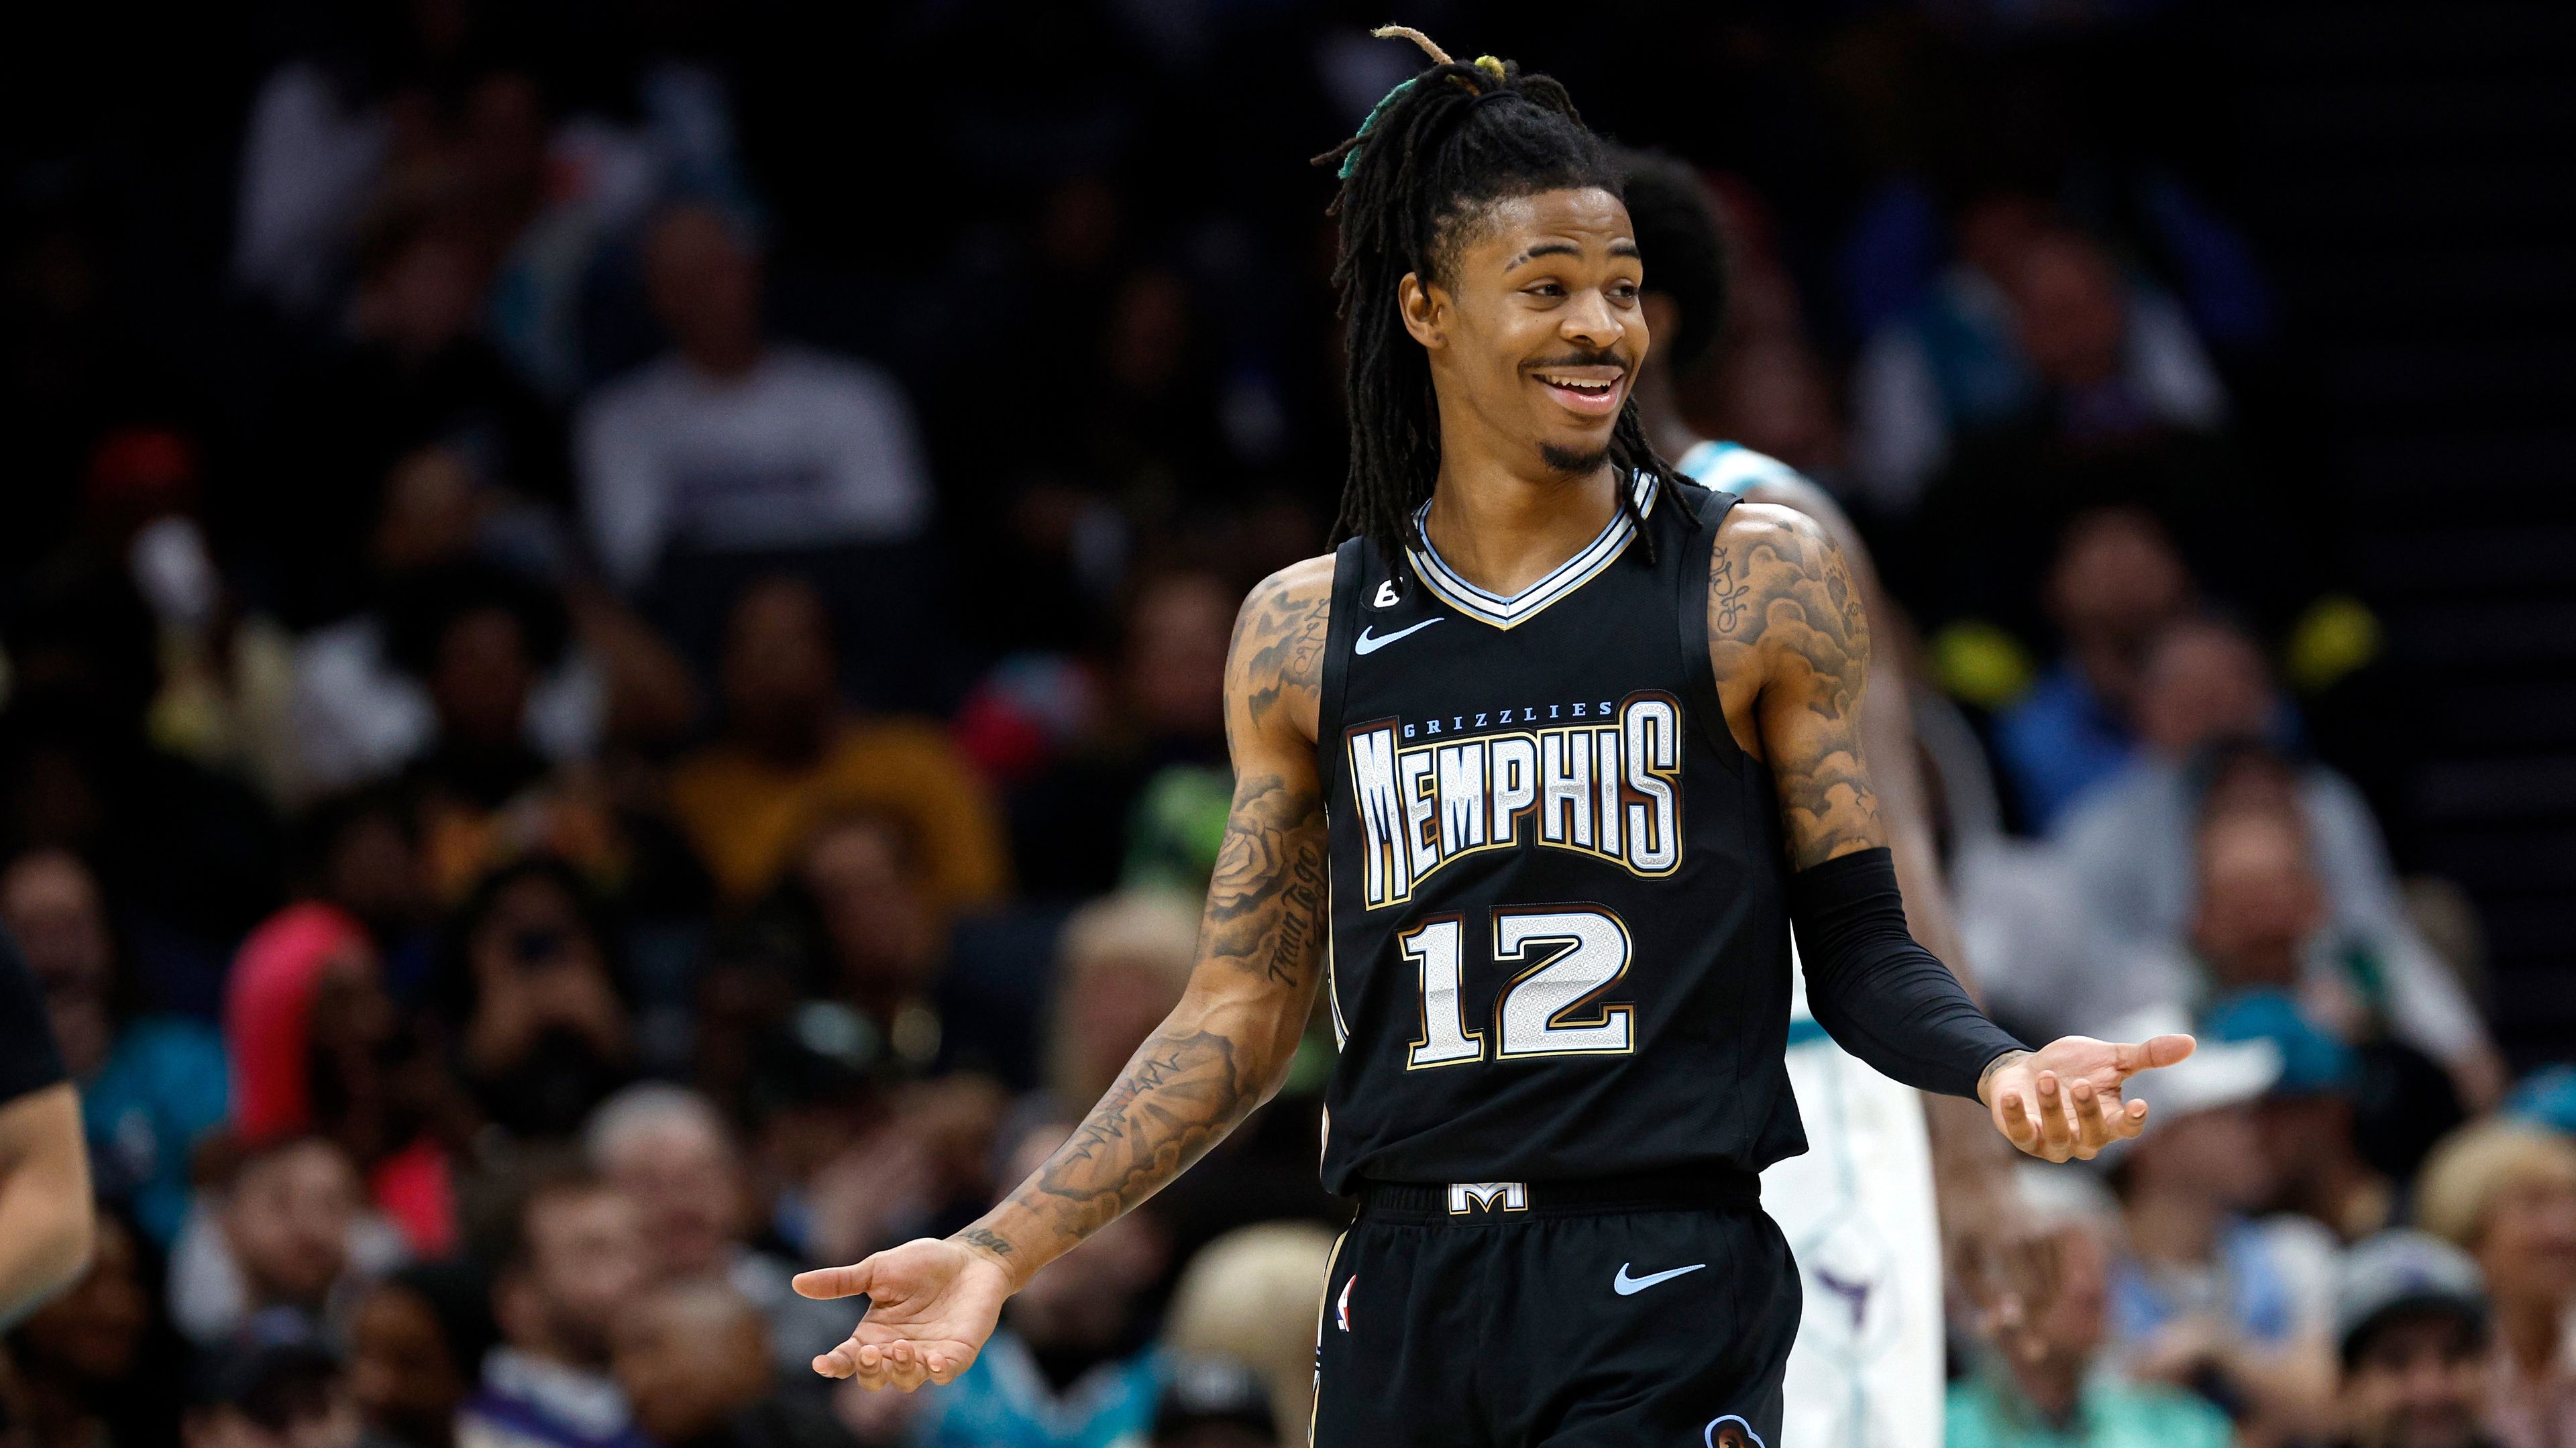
x=1627, y=1286
x=1366, y=644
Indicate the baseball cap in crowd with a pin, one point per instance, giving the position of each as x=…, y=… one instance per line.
x=2219, y=1073
x=2404, y=1272
x=1205, y=1391
x=2313, y=1062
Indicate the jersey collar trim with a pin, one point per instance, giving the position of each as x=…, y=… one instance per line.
x=1565, y=578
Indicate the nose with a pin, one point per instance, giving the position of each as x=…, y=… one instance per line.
x=1591, y=322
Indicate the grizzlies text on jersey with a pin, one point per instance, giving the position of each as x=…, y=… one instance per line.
x=1560, y=949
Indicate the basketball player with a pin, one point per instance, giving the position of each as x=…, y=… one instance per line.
x=1554, y=748
x=1857, y=1207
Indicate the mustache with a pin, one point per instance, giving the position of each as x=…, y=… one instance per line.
x=1583, y=359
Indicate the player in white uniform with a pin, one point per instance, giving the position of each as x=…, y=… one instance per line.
x=1859, y=1208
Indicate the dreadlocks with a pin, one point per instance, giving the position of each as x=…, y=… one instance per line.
x=1441, y=147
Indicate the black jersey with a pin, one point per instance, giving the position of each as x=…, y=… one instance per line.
x=1560, y=948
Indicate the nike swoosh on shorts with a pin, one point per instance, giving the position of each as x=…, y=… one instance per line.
x=1627, y=1286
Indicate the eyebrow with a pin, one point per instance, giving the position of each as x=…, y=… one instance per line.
x=1622, y=247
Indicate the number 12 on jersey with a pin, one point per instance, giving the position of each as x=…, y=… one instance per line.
x=1567, y=958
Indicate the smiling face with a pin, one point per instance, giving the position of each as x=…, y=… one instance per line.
x=1534, y=328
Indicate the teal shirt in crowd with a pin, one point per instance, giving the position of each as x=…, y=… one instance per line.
x=2108, y=1414
x=1003, y=1401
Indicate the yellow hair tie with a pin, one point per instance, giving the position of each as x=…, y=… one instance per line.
x=1491, y=66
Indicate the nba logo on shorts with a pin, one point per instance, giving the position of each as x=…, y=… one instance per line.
x=1342, y=1307
x=1732, y=1432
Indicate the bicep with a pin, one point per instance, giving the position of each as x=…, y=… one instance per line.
x=1813, y=652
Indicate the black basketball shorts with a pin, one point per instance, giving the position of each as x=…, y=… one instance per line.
x=1510, y=1315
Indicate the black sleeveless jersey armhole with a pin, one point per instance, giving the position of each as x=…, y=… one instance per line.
x=1690, y=610
x=1350, y=570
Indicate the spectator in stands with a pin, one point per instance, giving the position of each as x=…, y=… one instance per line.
x=528, y=988
x=479, y=639
x=1123, y=961
x=2411, y=1315
x=1248, y=1298
x=270, y=1392
x=2034, y=326
x=2055, y=1396
x=2034, y=319
x=669, y=1149
x=735, y=442
x=418, y=374
x=316, y=1045
x=1214, y=1402
x=367, y=687
x=1145, y=803
x=2113, y=359
x=2142, y=864
x=2505, y=1191
x=576, y=1263
x=363, y=854
x=2201, y=1296
x=151, y=1085
x=288, y=1245
x=92, y=1365
x=416, y=1349
x=1071, y=1365
x=791, y=755
x=696, y=1364
x=883, y=941
x=2306, y=1119
x=2115, y=584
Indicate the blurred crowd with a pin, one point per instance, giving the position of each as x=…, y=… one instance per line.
x=612, y=689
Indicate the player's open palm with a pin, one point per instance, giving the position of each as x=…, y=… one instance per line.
x=931, y=1304
x=2063, y=1100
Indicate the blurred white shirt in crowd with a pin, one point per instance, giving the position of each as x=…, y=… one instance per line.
x=806, y=449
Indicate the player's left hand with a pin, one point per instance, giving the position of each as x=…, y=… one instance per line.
x=2063, y=1100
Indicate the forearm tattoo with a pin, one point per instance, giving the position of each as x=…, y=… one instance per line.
x=1265, y=919
x=1781, y=601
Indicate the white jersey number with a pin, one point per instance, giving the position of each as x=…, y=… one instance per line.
x=1569, y=958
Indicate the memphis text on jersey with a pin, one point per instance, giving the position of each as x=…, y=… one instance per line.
x=1580, y=776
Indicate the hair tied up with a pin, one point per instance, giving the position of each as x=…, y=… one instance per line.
x=1438, y=56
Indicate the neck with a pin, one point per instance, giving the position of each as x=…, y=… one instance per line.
x=1659, y=410
x=2051, y=1383
x=2172, y=1227
x=726, y=359
x=1502, y=518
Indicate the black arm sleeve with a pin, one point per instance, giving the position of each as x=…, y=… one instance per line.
x=28, y=1060
x=1881, y=996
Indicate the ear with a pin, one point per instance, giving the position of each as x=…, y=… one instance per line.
x=1424, y=309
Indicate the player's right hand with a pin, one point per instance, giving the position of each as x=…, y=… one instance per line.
x=931, y=1304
